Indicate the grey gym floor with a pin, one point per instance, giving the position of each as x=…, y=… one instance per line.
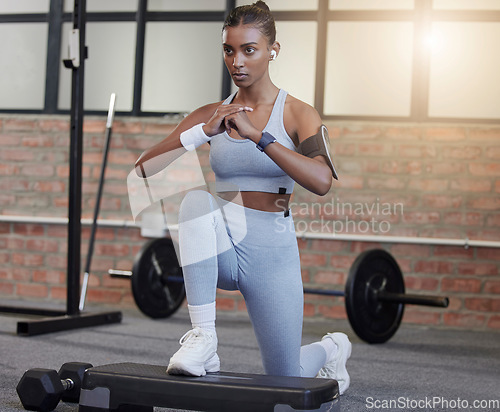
x=418, y=366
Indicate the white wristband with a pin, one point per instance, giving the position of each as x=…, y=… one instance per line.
x=194, y=137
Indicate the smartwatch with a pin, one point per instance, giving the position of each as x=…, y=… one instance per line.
x=267, y=138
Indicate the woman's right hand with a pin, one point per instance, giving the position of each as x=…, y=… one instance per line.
x=216, y=123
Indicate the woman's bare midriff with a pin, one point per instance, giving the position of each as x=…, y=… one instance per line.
x=269, y=202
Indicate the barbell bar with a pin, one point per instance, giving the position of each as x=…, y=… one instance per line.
x=374, y=292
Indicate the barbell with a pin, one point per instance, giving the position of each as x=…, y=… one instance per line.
x=374, y=292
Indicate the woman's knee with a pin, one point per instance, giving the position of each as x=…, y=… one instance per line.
x=196, y=203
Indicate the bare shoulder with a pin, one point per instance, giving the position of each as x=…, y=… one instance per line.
x=300, y=118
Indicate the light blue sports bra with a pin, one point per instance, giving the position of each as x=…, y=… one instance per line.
x=239, y=166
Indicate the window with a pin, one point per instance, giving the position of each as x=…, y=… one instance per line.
x=402, y=60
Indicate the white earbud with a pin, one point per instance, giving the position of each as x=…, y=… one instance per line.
x=273, y=54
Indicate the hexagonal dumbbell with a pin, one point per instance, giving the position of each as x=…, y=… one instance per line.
x=42, y=389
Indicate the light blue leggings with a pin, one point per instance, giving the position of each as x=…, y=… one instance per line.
x=232, y=247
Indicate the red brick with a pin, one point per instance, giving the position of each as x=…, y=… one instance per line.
x=341, y=262
x=17, y=155
x=434, y=266
x=57, y=231
x=127, y=127
x=483, y=304
x=494, y=322
x=49, y=186
x=94, y=126
x=485, y=169
x=112, y=250
x=419, y=283
x=158, y=129
x=485, y=134
x=21, y=274
x=428, y=185
x=309, y=310
x=488, y=253
x=444, y=134
x=441, y=201
x=145, y=142
x=471, y=185
x=386, y=183
x=497, y=186
x=42, y=245
x=493, y=152
x=345, y=149
x=484, y=203
x=410, y=250
x=58, y=293
x=445, y=168
x=416, y=151
x=492, y=286
x=14, y=185
x=328, y=245
x=403, y=133
x=11, y=140
x=395, y=167
x=373, y=149
x=39, y=291
x=49, y=276
x=462, y=152
x=464, y=320
x=27, y=259
x=56, y=262
x=460, y=285
x=477, y=268
x=454, y=252
x=242, y=306
x=305, y=275
x=100, y=264
x=109, y=282
x=351, y=182
x=9, y=170
x=493, y=220
x=312, y=259
x=360, y=132
x=6, y=288
x=412, y=315
x=330, y=278
x=53, y=125
x=103, y=295
x=455, y=303
x=123, y=158
x=226, y=304
x=19, y=124
x=37, y=141
x=332, y=312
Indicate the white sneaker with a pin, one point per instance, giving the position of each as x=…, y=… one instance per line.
x=197, y=355
x=335, y=368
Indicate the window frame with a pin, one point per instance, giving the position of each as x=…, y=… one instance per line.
x=422, y=16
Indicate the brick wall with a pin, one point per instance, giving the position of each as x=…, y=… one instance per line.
x=397, y=179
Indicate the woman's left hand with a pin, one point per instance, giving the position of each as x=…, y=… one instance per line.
x=242, y=124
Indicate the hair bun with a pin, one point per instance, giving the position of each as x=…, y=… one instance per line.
x=261, y=5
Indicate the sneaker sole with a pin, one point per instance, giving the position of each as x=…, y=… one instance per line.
x=180, y=368
x=342, y=371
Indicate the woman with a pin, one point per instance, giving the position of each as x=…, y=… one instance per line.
x=243, y=238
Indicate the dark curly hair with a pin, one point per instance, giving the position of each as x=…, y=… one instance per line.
x=258, y=15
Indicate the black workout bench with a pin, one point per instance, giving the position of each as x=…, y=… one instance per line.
x=127, y=387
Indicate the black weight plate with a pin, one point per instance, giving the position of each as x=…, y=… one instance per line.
x=157, y=282
x=374, y=321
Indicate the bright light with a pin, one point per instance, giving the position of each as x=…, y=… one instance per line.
x=434, y=41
